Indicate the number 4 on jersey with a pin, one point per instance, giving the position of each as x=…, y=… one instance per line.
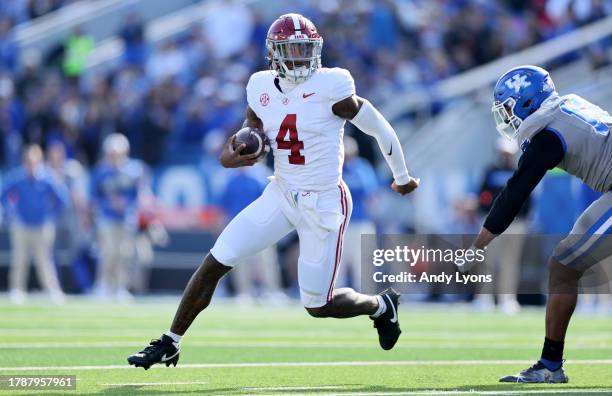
x=293, y=144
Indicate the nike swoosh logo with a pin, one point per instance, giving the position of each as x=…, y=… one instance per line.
x=305, y=95
x=165, y=359
x=390, y=150
x=394, y=318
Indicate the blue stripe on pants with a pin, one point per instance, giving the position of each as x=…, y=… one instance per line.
x=586, y=235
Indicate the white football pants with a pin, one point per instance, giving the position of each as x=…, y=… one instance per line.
x=320, y=219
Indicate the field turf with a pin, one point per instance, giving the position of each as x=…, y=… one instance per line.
x=281, y=350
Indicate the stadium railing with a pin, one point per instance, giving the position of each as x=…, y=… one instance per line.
x=482, y=76
x=101, y=19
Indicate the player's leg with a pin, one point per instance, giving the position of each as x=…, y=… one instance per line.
x=587, y=245
x=19, y=263
x=320, y=257
x=562, y=298
x=198, y=293
x=125, y=257
x=105, y=271
x=45, y=269
x=263, y=219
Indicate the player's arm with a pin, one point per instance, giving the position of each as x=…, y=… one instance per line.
x=543, y=153
x=230, y=157
x=361, y=113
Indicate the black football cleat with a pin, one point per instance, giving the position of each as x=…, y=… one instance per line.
x=387, y=324
x=162, y=350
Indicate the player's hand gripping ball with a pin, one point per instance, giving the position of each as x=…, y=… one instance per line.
x=255, y=142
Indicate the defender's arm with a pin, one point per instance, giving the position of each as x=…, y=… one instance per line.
x=231, y=158
x=361, y=113
x=543, y=153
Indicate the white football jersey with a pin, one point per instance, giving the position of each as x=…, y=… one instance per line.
x=305, y=135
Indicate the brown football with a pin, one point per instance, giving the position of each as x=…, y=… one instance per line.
x=256, y=141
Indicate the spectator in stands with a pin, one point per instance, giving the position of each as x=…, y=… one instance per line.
x=466, y=219
x=38, y=8
x=11, y=123
x=362, y=183
x=228, y=16
x=32, y=200
x=16, y=10
x=156, y=121
x=214, y=175
x=506, y=254
x=77, y=48
x=132, y=35
x=151, y=232
x=8, y=49
x=117, y=185
x=167, y=62
x=74, y=224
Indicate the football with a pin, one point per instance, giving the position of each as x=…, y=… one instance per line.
x=255, y=140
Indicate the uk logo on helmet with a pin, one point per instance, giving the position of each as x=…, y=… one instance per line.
x=517, y=82
x=524, y=144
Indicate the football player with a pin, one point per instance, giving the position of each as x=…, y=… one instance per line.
x=553, y=131
x=302, y=107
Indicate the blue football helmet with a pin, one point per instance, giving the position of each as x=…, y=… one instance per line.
x=517, y=95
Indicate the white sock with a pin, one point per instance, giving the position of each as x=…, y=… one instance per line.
x=382, y=307
x=175, y=337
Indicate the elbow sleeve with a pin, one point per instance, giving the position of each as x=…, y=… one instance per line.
x=371, y=122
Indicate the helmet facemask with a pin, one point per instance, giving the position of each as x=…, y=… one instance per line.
x=506, y=122
x=295, y=59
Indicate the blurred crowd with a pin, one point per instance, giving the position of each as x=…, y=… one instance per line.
x=175, y=101
x=20, y=11
x=168, y=96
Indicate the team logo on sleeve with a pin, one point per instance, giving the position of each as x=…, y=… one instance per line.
x=264, y=99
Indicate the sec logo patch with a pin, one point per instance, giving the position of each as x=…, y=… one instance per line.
x=264, y=99
x=285, y=101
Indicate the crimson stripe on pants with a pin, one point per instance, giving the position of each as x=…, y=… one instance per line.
x=339, y=242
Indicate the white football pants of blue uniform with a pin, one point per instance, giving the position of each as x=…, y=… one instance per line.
x=320, y=219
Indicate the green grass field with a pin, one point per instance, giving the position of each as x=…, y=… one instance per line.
x=263, y=351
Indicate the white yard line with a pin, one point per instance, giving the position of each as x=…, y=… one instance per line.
x=294, y=388
x=276, y=344
x=307, y=364
x=158, y=383
x=466, y=392
x=284, y=336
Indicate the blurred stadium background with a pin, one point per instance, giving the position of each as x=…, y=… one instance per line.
x=170, y=77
